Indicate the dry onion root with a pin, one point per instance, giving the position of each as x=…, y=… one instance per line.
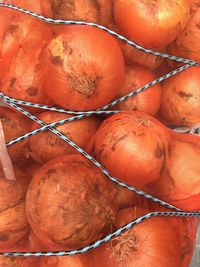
x=150, y=243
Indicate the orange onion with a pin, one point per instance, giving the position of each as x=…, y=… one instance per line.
x=187, y=45
x=133, y=146
x=46, y=145
x=98, y=11
x=13, y=222
x=151, y=23
x=15, y=125
x=23, y=77
x=147, y=101
x=133, y=55
x=150, y=243
x=186, y=231
x=136, y=56
x=180, y=104
x=86, y=67
x=179, y=185
x=68, y=204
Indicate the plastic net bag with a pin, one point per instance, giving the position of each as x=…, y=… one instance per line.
x=87, y=175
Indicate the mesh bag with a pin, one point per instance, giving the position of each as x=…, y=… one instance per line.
x=58, y=198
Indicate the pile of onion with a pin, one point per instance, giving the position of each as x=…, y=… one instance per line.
x=133, y=146
x=46, y=145
x=180, y=104
x=86, y=67
x=13, y=222
x=151, y=23
x=98, y=11
x=15, y=125
x=147, y=101
x=68, y=203
x=187, y=45
x=23, y=76
x=179, y=185
x=150, y=243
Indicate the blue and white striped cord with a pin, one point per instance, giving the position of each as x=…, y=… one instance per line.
x=106, y=239
x=13, y=102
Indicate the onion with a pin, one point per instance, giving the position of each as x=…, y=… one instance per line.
x=147, y=101
x=179, y=185
x=133, y=146
x=86, y=67
x=180, y=103
x=186, y=230
x=135, y=56
x=13, y=222
x=151, y=23
x=14, y=125
x=46, y=145
x=23, y=78
x=150, y=243
x=68, y=203
x=99, y=11
x=187, y=45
